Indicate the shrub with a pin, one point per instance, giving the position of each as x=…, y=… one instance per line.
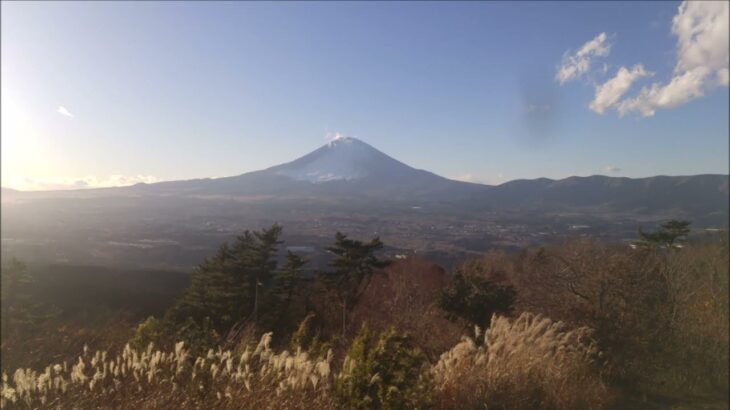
x=476, y=298
x=660, y=315
x=383, y=373
x=697, y=346
x=149, y=331
x=529, y=363
x=618, y=292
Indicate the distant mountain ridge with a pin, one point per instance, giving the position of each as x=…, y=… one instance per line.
x=347, y=168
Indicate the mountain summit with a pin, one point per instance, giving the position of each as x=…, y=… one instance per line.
x=342, y=159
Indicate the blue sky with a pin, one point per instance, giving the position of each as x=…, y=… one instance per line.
x=111, y=93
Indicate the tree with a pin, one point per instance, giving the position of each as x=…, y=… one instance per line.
x=225, y=288
x=256, y=259
x=667, y=234
x=287, y=280
x=475, y=298
x=354, y=264
x=214, y=293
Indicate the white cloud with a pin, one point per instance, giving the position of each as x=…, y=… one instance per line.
x=611, y=169
x=681, y=89
x=468, y=177
x=609, y=93
x=702, y=59
x=63, y=111
x=575, y=65
x=89, y=181
x=703, y=40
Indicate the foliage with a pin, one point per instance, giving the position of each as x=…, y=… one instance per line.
x=286, y=285
x=405, y=297
x=475, y=298
x=308, y=337
x=149, y=331
x=354, y=263
x=256, y=260
x=383, y=373
x=660, y=317
x=215, y=293
x=697, y=356
x=235, y=285
x=529, y=363
x=667, y=234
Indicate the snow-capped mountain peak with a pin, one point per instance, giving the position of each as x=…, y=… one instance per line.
x=342, y=158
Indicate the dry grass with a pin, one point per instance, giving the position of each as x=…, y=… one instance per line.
x=153, y=379
x=531, y=362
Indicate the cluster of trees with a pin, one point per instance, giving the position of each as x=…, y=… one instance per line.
x=244, y=284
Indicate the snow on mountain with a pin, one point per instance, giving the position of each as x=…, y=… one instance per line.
x=342, y=159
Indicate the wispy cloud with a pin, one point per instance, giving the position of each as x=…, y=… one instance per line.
x=611, y=169
x=609, y=93
x=575, y=65
x=468, y=177
x=63, y=111
x=89, y=181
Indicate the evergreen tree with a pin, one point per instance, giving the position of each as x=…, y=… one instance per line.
x=288, y=279
x=284, y=289
x=354, y=264
x=214, y=293
x=667, y=234
x=264, y=260
x=255, y=254
x=226, y=288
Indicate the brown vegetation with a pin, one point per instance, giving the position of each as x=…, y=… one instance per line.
x=593, y=323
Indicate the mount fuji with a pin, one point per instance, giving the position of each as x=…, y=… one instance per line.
x=344, y=166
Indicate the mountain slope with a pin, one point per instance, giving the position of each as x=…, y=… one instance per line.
x=343, y=167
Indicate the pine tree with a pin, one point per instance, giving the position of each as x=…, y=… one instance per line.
x=354, y=264
x=667, y=235
x=214, y=293
x=288, y=278
x=256, y=260
x=226, y=288
x=285, y=286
